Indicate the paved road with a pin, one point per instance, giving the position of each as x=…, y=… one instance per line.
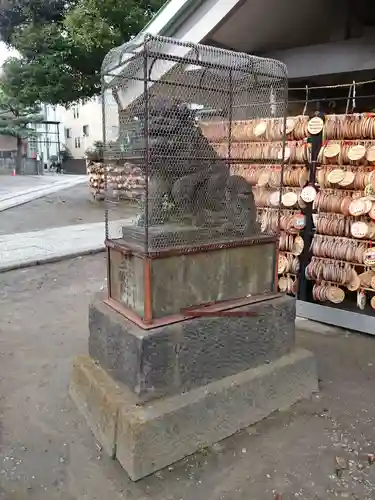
x=48, y=453
x=63, y=224
x=19, y=183
x=28, y=249
x=64, y=208
x=15, y=191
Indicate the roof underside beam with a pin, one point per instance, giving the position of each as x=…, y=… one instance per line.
x=326, y=59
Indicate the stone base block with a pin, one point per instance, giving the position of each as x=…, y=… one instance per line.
x=98, y=398
x=147, y=437
x=175, y=358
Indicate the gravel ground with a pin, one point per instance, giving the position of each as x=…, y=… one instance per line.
x=47, y=452
x=65, y=208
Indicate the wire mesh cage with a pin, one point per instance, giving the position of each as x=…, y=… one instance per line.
x=194, y=145
x=194, y=150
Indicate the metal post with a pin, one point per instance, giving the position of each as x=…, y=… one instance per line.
x=58, y=142
x=230, y=117
x=106, y=213
x=47, y=141
x=146, y=132
x=304, y=291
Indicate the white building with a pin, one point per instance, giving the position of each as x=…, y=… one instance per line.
x=81, y=126
x=50, y=135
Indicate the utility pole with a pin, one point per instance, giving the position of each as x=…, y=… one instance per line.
x=46, y=130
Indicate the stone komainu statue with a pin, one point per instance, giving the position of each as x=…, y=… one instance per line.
x=187, y=178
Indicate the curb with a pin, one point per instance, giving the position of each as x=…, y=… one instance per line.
x=50, y=260
x=36, y=194
x=312, y=326
x=36, y=190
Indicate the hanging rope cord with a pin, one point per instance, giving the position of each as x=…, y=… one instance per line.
x=338, y=86
x=350, y=98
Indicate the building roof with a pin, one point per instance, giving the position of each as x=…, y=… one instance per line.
x=169, y=17
x=184, y=20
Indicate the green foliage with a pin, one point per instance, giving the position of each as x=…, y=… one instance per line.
x=18, y=13
x=96, y=153
x=63, y=43
x=65, y=154
x=15, y=117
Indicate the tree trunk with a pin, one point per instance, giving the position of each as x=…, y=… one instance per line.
x=19, y=156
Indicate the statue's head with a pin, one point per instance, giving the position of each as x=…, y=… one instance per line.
x=164, y=137
x=163, y=129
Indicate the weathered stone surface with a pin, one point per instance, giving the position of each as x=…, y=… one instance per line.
x=175, y=358
x=126, y=280
x=150, y=436
x=98, y=398
x=182, y=281
x=184, y=170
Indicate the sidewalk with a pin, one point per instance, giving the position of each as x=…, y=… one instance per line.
x=37, y=247
x=15, y=191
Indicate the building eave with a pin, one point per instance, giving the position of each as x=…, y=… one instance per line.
x=169, y=17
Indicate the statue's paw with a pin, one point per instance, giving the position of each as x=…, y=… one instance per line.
x=227, y=227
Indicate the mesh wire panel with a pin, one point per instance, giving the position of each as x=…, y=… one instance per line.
x=194, y=145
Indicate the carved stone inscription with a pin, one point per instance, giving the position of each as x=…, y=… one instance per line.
x=127, y=282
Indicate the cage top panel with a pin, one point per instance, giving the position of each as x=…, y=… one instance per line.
x=129, y=60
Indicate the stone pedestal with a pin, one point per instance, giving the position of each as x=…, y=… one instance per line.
x=175, y=358
x=152, y=397
x=180, y=281
x=147, y=437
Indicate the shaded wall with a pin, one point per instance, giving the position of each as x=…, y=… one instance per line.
x=75, y=166
x=28, y=166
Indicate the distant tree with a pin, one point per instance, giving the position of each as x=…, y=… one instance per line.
x=65, y=153
x=15, y=120
x=62, y=44
x=96, y=153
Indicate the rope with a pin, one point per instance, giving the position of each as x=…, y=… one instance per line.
x=306, y=101
x=338, y=86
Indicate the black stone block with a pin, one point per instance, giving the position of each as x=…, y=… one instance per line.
x=191, y=353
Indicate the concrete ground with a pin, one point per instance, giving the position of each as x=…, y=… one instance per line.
x=52, y=245
x=59, y=225
x=16, y=191
x=47, y=452
x=68, y=207
x=22, y=183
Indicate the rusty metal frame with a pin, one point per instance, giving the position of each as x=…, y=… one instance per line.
x=109, y=279
x=212, y=309
x=147, y=315
x=276, y=268
x=137, y=250
x=224, y=309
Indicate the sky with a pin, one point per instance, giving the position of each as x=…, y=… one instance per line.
x=5, y=53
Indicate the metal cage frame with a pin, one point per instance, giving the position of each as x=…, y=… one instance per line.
x=124, y=64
